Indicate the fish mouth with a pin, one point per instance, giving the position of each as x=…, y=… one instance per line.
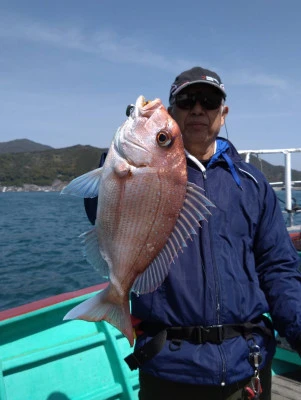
x=141, y=102
x=146, y=108
x=129, y=146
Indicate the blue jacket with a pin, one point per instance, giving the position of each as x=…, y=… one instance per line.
x=241, y=265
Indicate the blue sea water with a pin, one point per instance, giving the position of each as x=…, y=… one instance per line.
x=41, y=254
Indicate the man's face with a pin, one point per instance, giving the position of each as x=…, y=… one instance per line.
x=199, y=125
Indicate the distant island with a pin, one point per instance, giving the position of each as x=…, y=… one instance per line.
x=22, y=146
x=27, y=166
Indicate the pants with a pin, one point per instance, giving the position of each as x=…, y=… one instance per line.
x=152, y=388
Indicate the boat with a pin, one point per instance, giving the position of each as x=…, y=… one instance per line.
x=43, y=357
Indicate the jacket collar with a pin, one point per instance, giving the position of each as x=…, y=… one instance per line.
x=224, y=150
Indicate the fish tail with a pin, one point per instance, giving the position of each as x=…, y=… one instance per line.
x=101, y=307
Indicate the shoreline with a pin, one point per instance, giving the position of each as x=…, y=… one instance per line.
x=57, y=186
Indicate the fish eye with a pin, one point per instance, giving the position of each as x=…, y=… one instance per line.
x=163, y=139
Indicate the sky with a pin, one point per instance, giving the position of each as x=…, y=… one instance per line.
x=69, y=68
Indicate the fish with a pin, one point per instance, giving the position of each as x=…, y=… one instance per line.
x=147, y=211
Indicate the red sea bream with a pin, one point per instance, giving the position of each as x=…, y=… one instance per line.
x=146, y=212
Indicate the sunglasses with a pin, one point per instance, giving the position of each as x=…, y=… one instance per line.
x=187, y=101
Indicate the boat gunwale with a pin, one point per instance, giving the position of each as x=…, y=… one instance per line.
x=39, y=305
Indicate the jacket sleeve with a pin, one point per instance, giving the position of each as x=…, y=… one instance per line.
x=91, y=203
x=277, y=265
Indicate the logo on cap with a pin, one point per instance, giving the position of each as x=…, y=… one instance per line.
x=209, y=78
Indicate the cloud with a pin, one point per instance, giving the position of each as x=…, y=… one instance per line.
x=264, y=115
x=112, y=47
x=251, y=78
x=105, y=43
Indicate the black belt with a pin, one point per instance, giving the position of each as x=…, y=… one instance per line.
x=195, y=334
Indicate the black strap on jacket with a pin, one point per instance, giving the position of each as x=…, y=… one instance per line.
x=195, y=334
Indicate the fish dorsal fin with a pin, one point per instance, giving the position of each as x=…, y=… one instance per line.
x=85, y=185
x=193, y=211
x=92, y=253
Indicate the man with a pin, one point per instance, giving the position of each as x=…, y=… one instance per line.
x=202, y=333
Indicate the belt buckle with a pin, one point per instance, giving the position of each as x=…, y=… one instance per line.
x=213, y=334
x=218, y=334
x=199, y=337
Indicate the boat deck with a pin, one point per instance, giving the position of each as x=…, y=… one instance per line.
x=286, y=381
x=286, y=387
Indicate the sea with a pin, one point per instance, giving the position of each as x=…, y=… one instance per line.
x=41, y=254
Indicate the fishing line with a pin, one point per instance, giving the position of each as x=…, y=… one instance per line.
x=225, y=125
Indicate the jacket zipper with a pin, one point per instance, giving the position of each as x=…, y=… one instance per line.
x=217, y=289
x=217, y=293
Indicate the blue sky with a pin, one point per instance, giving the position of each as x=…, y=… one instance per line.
x=69, y=68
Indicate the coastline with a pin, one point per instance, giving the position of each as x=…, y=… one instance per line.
x=56, y=186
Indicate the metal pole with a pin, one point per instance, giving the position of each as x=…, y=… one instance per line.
x=288, y=186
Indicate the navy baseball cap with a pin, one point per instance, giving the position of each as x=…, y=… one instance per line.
x=196, y=75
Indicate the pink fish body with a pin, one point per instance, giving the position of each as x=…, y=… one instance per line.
x=146, y=212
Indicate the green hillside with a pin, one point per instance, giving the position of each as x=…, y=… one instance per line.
x=43, y=167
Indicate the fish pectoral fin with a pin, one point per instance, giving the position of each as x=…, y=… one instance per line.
x=92, y=252
x=101, y=307
x=194, y=210
x=85, y=185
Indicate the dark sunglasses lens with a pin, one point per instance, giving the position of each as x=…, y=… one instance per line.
x=188, y=100
x=211, y=103
x=185, y=103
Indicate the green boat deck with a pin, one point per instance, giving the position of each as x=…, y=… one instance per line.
x=43, y=357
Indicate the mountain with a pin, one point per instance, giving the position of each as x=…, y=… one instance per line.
x=44, y=167
x=21, y=146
